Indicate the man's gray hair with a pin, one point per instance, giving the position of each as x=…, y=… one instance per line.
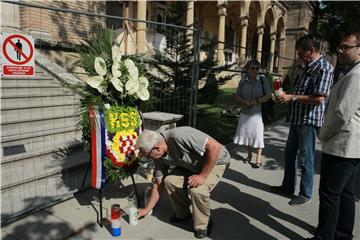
x=147, y=140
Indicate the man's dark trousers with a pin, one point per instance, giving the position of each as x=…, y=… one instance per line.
x=337, y=197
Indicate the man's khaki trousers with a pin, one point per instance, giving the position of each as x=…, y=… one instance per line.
x=181, y=196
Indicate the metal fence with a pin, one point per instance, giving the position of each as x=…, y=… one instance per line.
x=42, y=154
x=42, y=159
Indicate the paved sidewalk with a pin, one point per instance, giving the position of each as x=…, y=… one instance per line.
x=242, y=207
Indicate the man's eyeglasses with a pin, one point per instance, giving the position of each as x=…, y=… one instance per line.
x=344, y=47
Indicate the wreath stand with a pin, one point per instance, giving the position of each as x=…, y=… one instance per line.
x=99, y=221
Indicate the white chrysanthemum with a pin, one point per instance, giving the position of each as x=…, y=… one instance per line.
x=144, y=83
x=115, y=70
x=95, y=82
x=132, y=86
x=132, y=69
x=143, y=94
x=116, y=82
x=100, y=66
x=116, y=53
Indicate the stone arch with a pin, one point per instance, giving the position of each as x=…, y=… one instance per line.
x=244, y=8
x=209, y=18
x=255, y=20
x=234, y=19
x=269, y=29
x=280, y=44
x=280, y=27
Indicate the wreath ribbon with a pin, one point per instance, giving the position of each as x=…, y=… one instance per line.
x=97, y=128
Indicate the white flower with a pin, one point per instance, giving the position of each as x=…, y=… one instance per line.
x=132, y=69
x=101, y=89
x=132, y=86
x=143, y=94
x=100, y=66
x=96, y=82
x=107, y=106
x=116, y=82
x=116, y=54
x=115, y=70
x=144, y=83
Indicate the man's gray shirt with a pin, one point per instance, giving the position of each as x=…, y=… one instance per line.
x=186, y=149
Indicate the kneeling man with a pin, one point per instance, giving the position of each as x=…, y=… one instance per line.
x=199, y=161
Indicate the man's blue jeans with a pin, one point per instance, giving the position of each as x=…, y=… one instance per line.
x=337, y=197
x=300, y=148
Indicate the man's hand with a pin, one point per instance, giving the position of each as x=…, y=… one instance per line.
x=142, y=212
x=252, y=103
x=284, y=98
x=196, y=180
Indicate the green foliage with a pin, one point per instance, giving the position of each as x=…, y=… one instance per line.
x=99, y=44
x=174, y=68
x=115, y=173
x=172, y=80
x=335, y=18
x=213, y=122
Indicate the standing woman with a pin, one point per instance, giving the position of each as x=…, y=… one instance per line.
x=250, y=95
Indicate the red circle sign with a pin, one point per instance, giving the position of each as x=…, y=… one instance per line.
x=8, y=40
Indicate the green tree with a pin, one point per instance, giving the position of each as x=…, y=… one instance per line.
x=336, y=17
x=174, y=65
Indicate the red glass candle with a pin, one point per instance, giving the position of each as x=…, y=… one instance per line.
x=277, y=84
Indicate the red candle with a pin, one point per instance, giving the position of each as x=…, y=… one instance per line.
x=277, y=84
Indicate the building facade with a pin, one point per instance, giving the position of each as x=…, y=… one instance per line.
x=265, y=30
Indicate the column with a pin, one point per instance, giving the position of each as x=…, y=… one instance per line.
x=272, y=51
x=141, y=27
x=190, y=18
x=244, y=25
x=281, y=53
x=221, y=33
x=260, y=32
x=126, y=30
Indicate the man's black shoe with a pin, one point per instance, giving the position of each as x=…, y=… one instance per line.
x=203, y=233
x=281, y=191
x=175, y=219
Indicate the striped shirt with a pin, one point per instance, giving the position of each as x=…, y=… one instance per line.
x=317, y=78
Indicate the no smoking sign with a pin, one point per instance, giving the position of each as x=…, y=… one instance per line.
x=17, y=55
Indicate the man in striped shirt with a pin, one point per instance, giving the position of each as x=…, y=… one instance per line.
x=308, y=102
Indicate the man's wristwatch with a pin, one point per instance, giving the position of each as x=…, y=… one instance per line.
x=294, y=98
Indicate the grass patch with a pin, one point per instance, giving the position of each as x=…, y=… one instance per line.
x=211, y=120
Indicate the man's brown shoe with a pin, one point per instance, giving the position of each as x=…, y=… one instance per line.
x=203, y=233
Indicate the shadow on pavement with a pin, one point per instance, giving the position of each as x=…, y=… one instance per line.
x=273, y=153
x=258, y=209
x=229, y=224
x=243, y=179
x=39, y=225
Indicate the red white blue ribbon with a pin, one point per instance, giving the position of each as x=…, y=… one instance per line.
x=97, y=128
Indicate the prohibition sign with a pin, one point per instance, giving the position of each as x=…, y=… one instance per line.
x=8, y=40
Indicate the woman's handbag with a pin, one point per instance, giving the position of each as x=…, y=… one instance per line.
x=267, y=108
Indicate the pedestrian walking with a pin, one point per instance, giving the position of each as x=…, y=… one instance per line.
x=308, y=101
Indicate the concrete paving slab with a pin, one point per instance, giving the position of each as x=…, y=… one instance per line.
x=40, y=225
